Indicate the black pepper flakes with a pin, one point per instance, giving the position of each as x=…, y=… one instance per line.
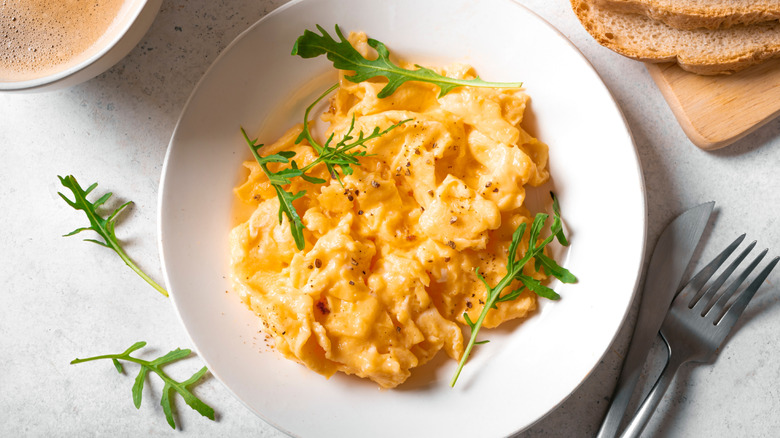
x=351, y=283
x=317, y=263
x=446, y=259
x=468, y=304
x=451, y=244
x=374, y=184
x=360, y=212
x=350, y=197
x=495, y=190
x=490, y=183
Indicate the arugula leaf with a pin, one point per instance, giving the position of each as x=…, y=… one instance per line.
x=335, y=157
x=278, y=179
x=557, y=226
x=338, y=155
x=514, y=272
x=105, y=227
x=345, y=57
x=155, y=366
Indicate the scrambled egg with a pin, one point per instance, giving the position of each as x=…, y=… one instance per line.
x=389, y=264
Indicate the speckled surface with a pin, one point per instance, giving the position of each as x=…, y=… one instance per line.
x=63, y=298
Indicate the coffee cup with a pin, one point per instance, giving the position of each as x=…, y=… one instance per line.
x=51, y=44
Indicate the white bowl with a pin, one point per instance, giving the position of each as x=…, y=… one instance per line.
x=526, y=370
x=135, y=18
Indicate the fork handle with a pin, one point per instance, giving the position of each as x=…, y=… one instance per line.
x=647, y=409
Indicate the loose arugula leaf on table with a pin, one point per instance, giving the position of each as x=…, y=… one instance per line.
x=345, y=57
x=105, y=227
x=155, y=366
x=514, y=271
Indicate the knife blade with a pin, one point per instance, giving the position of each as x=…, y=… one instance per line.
x=670, y=259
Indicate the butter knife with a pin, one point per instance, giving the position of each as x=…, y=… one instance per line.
x=671, y=257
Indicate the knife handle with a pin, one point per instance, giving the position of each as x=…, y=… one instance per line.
x=629, y=376
x=647, y=409
x=611, y=424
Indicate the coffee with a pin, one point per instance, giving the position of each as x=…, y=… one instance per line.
x=40, y=37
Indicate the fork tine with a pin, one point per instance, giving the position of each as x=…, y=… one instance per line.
x=707, y=300
x=696, y=284
x=732, y=314
x=717, y=307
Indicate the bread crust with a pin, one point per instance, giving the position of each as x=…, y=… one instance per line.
x=701, y=51
x=695, y=14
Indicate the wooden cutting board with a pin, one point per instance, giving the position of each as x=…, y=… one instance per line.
x=715, y=111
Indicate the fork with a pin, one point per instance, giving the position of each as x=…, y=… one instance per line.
x=698, y=321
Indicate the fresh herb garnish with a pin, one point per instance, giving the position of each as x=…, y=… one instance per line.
x=105, y=227
x=279, y=179
x=345, y=57
x=155, y=366
x=514, y=271
x=338, y=155
x=341, y=156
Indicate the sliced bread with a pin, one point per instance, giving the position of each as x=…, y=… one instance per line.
x=702, y=51
x=693, y=14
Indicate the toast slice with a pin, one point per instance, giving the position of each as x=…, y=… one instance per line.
x=701, y=51
x=694, y=14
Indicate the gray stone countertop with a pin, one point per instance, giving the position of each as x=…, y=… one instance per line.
x=63, y=298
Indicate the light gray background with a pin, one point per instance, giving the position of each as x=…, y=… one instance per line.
x=63, y=298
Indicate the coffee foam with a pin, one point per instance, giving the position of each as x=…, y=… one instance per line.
x=40, y=37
